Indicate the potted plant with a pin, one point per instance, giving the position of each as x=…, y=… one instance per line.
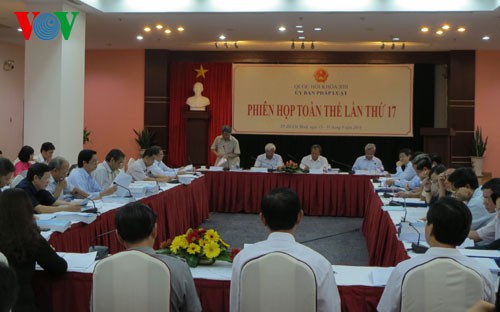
x=144, y=138
x=478, y=149
x=86, y=135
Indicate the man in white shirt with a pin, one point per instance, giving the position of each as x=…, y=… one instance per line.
x=141, y=169
x=491, y=231
x=81, y=177
x=314, y=160
x=368, y=161
x=107, y=171
x=269, y=159
x=46, y=153
x=403, y=177
x=58, y=185
x=448, y=223
x=281, y=213
x=159, y=168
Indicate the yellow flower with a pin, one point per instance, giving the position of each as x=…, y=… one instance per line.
x=201, y=242
x=176, y=244
x=183, y=241
x=211, y=235
x=193, y=248
x=211, y=250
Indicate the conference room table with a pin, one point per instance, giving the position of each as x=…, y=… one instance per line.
x=187, y=206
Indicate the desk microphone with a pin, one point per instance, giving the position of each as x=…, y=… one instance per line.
x=89, y=210
x=126, y=188
x=416, y=247
x=102, y=251
x=406, y=210
x=346, y=166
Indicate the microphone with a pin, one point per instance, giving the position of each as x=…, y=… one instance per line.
x=129, y=192
x=416, y=247
x=90, y=210
x=346, y=166
x=102, y=251
x=406, y=210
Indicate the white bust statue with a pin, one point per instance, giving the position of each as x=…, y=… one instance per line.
x=197, y=102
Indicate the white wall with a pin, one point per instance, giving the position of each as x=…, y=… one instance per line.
x=11, y=101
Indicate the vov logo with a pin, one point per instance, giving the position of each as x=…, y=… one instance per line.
x=46, y=26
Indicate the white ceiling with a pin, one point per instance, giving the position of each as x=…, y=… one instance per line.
x=341, y=31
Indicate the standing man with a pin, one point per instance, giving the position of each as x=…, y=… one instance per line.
x=368, y=161
x=269, y=159
x=137, y=230
x=281, y=213
x=107, y=171
x=81, y=177
x=227, y=149
x=314, y=160
x=46, y=153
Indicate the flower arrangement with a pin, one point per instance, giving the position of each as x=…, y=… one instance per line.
x=199, y=246
x=290, y=167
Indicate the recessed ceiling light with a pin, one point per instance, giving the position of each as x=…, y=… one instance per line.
x=282, y=28
x=395, y=38
x=168, y=31
x=140, y=37
x=424, y=29
x=317, y=28
x=302, y=37
x=222, y=37
x=439, y=32
x=486, y=38
x=180, y=28
x=299, y=26
x=19, y=29
x=147, y=29
x=461, y=29
x=445, y=27
x=300, y=31
x=159, y=26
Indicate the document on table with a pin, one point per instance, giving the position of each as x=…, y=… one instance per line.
x=495, y=254
x=77, y=262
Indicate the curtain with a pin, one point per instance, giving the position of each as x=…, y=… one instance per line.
x=217, y=85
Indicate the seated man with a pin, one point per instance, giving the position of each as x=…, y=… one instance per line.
x=81, y=177
x=107, y=171
x=159, y=168
x=491, y=231
x=465, y=186
x=314, y=160
x=34, y=185
x=58, y=185
x=6, y=172
x=269, y=159
x=422, y=166
x=368, y=161
x=46, y=152
x=227, y=149
x=448, y=223
x=137, y=229
x=281, y=213
x=404, y=171
x=141, y=169
x=430, y=185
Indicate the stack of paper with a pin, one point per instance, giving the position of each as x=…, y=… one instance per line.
x=76, y=216
x=54, y=225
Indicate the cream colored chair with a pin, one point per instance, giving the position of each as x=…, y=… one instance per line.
x=131, y=281
x=16, y=181
x=277, y=282
x=441, y=285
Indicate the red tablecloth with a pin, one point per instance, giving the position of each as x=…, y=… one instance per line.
x=71, y=292
x=320, y=194
x=384, y=248
x=178, y=209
